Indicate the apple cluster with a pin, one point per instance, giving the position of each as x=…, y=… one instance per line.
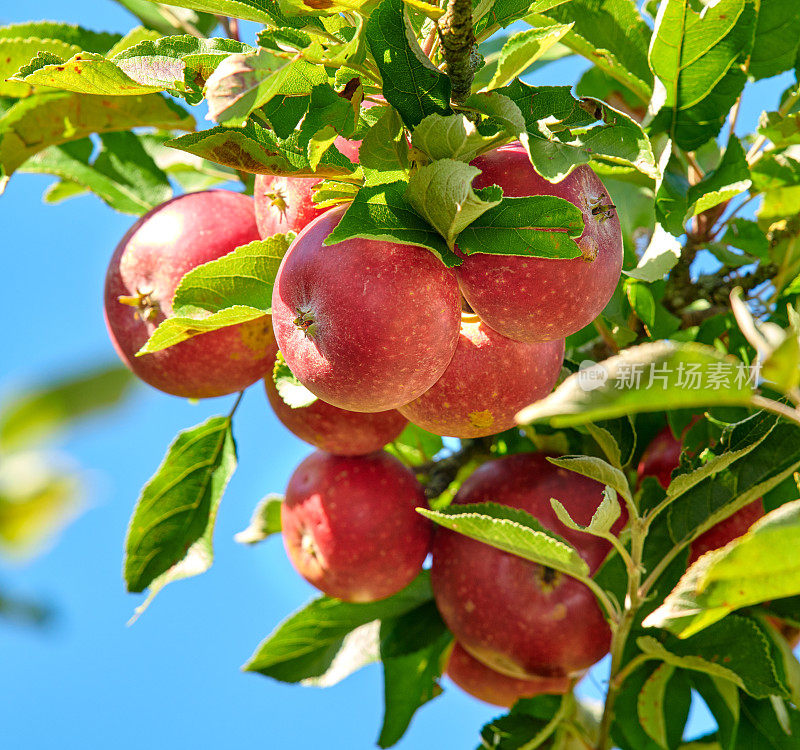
x=383, y=333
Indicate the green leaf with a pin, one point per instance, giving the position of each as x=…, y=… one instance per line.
x=170, y=533
x=672, y=191
x=776, y=39
x=511, y=530
x=650, y=708
x=242, y=83
x=308, y=643
x=500, y=110
x=659, y=258
x=776, y=169
x=602, y=520
x=412, y=650
x=290, y=389
x=265, y=522
x=563, y=132
x=415, y=446
x=695, y=58
x=648, y=377
x=411, y=83
x=760, y=726
x=597, y=469
x=91, y=41
x=657, y=321
x=381, y=212
x=50, y=408
x=442, y=193
x=722, y=699
x=451, y=137
x=541, y=226
x=729, y=179
x=759, y=566
x=522, y=50
x=384, y=146
x=14, y=53
x=259, y=151
x=260, y=11
x=167, y=21
x=53, y=118
x=616, y=438
x=234, y=289
x=330, y=111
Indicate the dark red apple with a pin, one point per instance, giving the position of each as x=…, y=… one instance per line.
x=492, y=687
x=660, y=458
x=541, y=299
x=519, y=618
x=345, y=433
x=285, y=203
x=350, y=526
x=489, y=379
x=365, y=325
x=144, y=272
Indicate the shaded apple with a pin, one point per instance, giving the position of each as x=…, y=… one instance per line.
x=350, y=526
x=489, y=379
x=519, y=618
x=540, y=299
x=143, y=274
x=345, y=433
x=489, y=686
x=365, y=325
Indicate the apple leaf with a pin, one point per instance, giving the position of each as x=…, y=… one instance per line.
x=260, y=11
x=384, y=146
x=501, y=110
x=597, y=469
x=650, y=706
x=649, y=377
x=168, y=20
x=660, y=257
x=415, y=446
x=412, y=650
x=171, y=529
x=531, y=722
x=265, y=522
x=14, y=53
x=307, y=645
x=511, y=530
x=52, y=118
x=452, y=137
x=602, y=520
x=412, y=84
x=442, y=193
x=723, y=700
x=522, y=50
x=541, y=226
x=729, y=179
x=775, y=47
x=616, y=438
x=759, y=566
x=290, y=389
x=91, y=41
x=381, y=212
x=45, y=410
x=762, y=725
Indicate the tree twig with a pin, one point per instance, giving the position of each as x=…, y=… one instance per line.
x=457, y=39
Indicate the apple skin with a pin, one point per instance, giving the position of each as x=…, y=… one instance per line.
x=350, y=526
x=475, y=396
x=285, y=203
x=519, y=618
x=334, y=430
x=540, y=299
x=659, y=460
x=365, y=325
x=489, y=686
x=151, y=259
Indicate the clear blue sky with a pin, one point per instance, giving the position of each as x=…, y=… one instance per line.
x=172, y=679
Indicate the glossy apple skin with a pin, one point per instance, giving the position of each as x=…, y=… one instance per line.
x=152, y=257
x=384, y=318
x=350, y=526
x=540, y=299
x=489, y=379
x=489, y=686
x=285, y=204
x=334, y=430
x=517, y=617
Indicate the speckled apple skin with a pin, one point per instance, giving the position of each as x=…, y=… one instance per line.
x=489, y=379
x=489, y=686
x=297, y=192
x=659, y=460
x=386, y=318
x=153, y=256
x=350, y=526
x=540, y=299
x=517, y=617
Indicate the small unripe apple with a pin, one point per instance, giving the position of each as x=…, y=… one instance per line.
x=541, y=299
x=519, y=618
x=365, y=325
x=143, y=274
x=345, y=433
x=350, y=526
x=492, y=687
x=489, y=379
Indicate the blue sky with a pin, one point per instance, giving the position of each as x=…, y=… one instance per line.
x=172, y=679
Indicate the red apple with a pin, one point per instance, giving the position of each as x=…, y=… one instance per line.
x=285, y=203
x=350, y=526
x=492, y=687
x=660, y=458
x=489, y=379
x=145, y=269
x=519, y=618
x=540, y=299
x=345, y=433
x=365, y=325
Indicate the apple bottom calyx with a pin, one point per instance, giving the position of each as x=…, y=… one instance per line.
x=305, y=322
x=146, y=308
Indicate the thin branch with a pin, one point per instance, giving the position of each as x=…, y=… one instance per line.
x=458, y=39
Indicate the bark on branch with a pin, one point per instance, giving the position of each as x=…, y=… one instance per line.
x=457, y=39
